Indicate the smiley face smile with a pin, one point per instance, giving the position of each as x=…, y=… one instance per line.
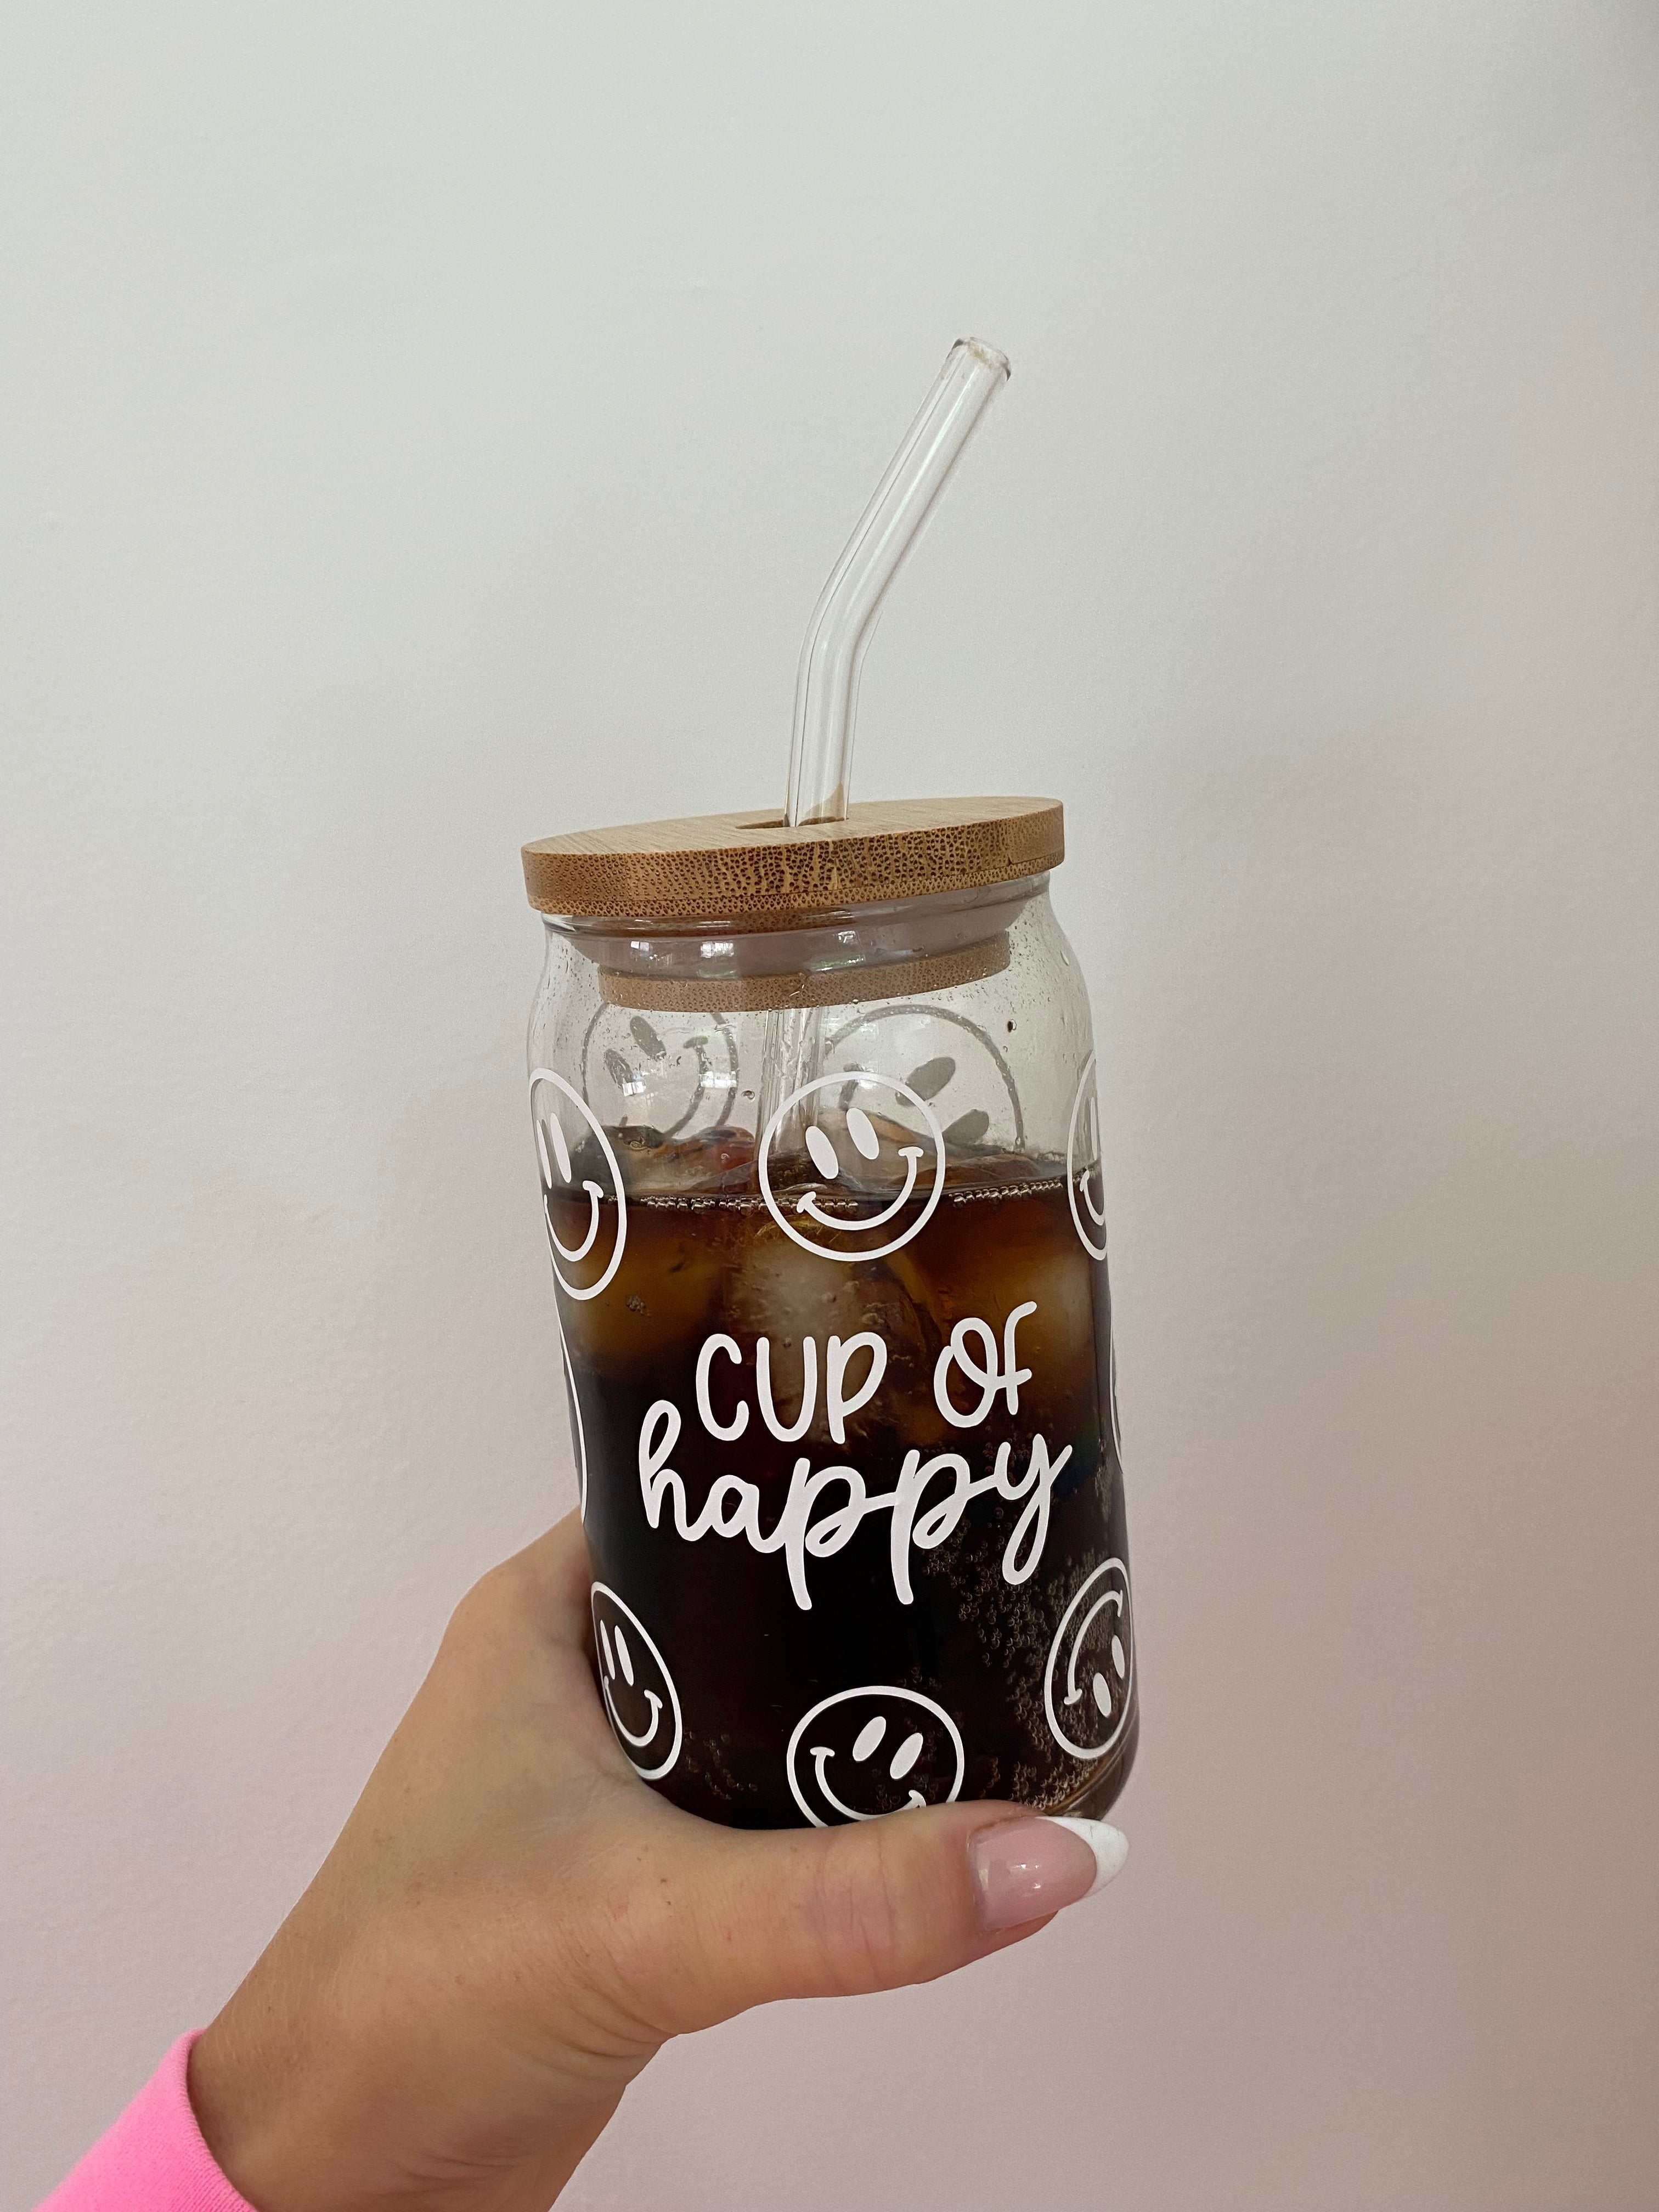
x=1091, y=1133
x=631, y=1664
x=621, y=1726
x=910, y=1154
x=920, y=1747
x=822, y=1755
x=555, y=1169
x=1089, y=1681
x=1113, y=1602
x=1083, y=1137
x=846, y=1235
x=571, y=1254
x=550, y=1097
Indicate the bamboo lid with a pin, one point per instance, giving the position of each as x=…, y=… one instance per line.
x=752, y=867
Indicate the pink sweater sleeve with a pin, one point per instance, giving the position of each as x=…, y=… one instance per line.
x=153, y=2160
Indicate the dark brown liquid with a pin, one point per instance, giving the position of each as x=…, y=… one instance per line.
x=914, y=1626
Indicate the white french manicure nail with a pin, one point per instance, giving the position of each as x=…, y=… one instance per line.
x=1110, y=1845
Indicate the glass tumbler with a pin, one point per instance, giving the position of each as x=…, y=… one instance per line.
x=820, y=1158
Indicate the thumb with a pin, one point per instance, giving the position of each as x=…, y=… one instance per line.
x=873, y=1905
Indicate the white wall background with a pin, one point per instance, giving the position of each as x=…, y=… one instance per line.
x=427, y=426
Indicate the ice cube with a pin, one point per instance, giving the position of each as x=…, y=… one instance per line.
x=717, y=1160
x=662, y=1300
x=984, y=1256
x=776, y=1289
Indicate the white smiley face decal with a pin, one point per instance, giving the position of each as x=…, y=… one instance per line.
x=851, y=1227
x=559, y=1186
x=888, y=1748
x=954, y=1063
x=675, y=1077
x=1092, y=1665
x=638, y=1689
x=1083, y=1143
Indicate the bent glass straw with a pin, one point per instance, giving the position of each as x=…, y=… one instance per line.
x=832, y=657
x=844, y=620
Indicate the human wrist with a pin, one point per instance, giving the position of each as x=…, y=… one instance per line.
x=320, y=2115
x=258, y=2100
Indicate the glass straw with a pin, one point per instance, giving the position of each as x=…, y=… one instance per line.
x=844, y=620
x=838, y=636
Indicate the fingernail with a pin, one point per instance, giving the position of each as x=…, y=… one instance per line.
x=1025, y=1870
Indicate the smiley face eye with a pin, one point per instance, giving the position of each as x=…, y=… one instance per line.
x=1102, y=1695
x=905, y=1756
x=605, y=1646
x=1119, y=1664
x=867, y=1742
x=929, y=1080
x=625, y=1656
x=858, y=1128
x=823, y=1153
x=931, y=1077
x=868, y=1737
x=554, y=1152
x=969, y=1129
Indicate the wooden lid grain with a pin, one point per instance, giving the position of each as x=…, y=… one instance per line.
x=752, y=867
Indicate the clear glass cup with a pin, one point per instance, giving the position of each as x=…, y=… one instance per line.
x=824, y=1208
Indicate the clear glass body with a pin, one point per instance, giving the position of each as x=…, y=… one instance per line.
x=839, y=1360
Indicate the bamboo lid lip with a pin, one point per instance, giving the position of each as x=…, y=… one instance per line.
x=754, y=867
